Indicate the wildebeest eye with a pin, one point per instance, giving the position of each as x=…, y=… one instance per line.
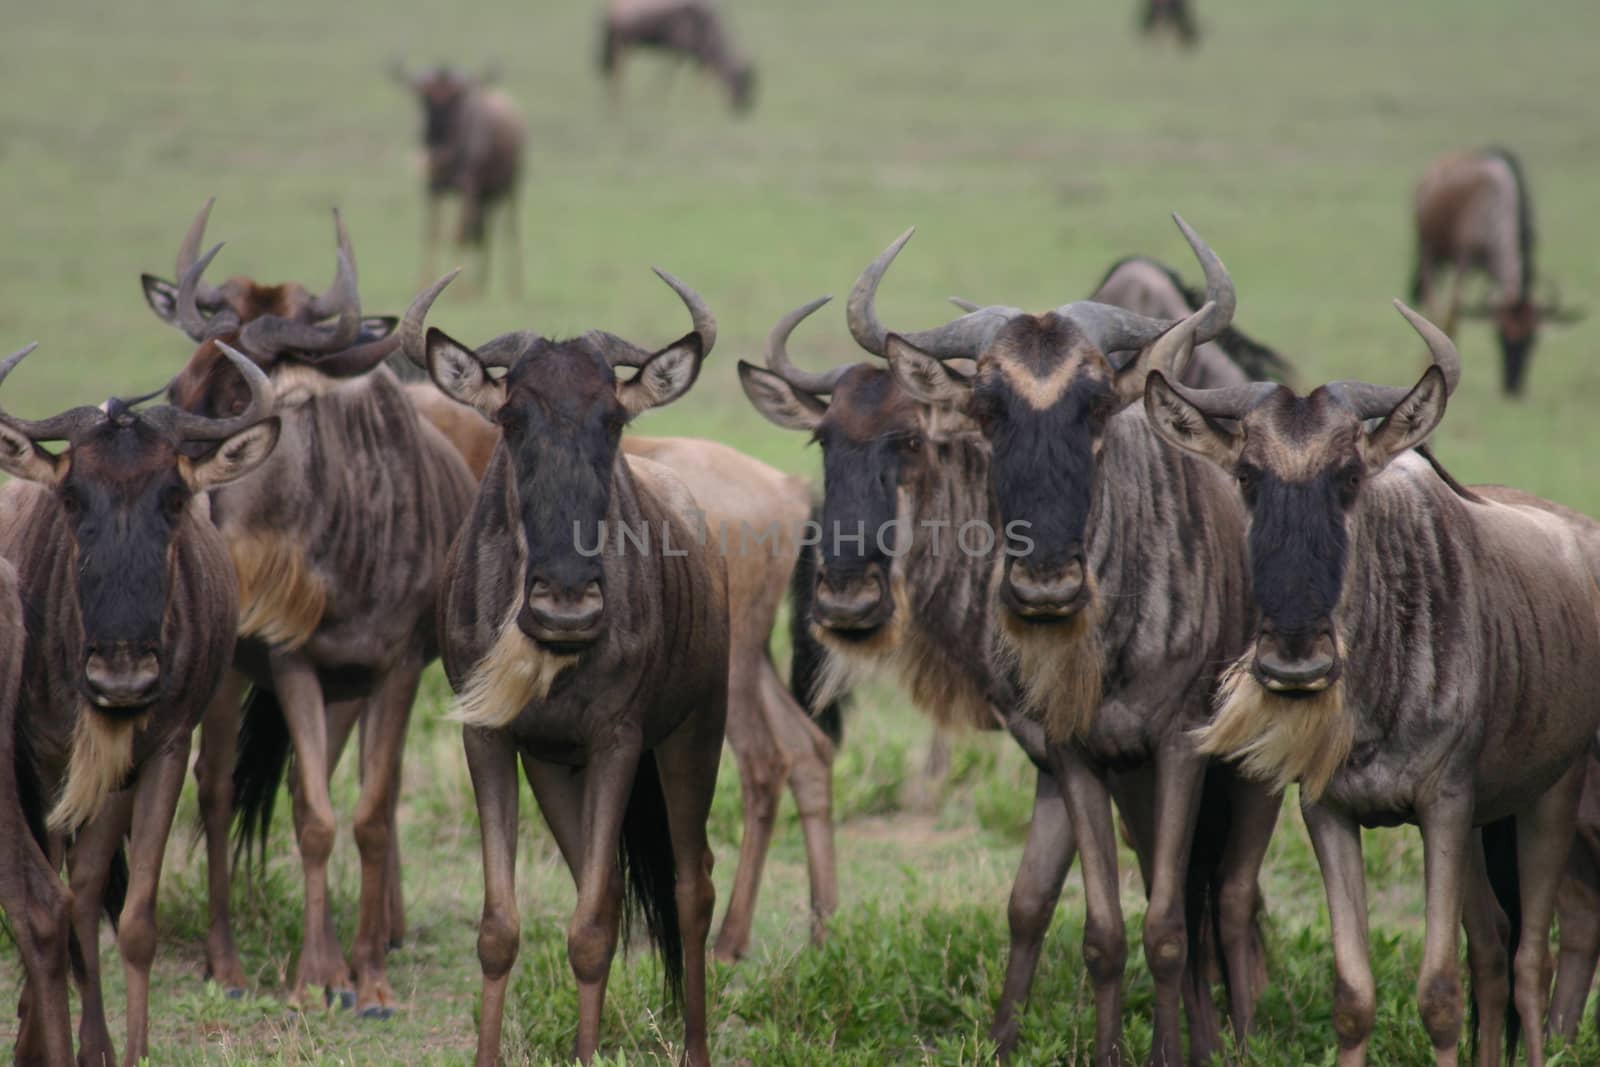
x=1350, y=484
x=1100, y=412
x=912, y=443
x=1247, y=477
x=71, y=502
x=985, y=409
x=174, y=499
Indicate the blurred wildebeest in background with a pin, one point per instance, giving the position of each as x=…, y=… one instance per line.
x=1474, y=212
x=605, y=671
x=1174, y=13
x=130, y=606
x=474, y=138
x=339, y=544
x=693, y=30
x=1424, y=652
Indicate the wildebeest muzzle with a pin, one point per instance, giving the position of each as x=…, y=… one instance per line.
x=1036, y=591
x=122, y=675
x=561, y=617
x=856, y=603
x=1301, y=663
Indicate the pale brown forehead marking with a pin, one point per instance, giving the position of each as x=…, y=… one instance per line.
x=1040, y=393
x=1301, y=452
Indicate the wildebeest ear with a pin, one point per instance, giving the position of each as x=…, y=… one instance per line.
x=461, y=376
x=21, y=458
x=377, y=327
x=780, y=402
x=1411, y=421
x=664, y=377
x=236, y=456
x=1182, y=425
x=923, y=376
x=162, y=296
x=1169, y=354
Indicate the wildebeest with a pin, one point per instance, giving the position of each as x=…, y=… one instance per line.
x=604, y=668
x=904, y=456
x=771, y=735
x=129, y=604
x=1174, y=13
x=694, y=30
x=1424, y=653
x=1117, y=607
x=474, y=137
x=339, y=543
x=1474, y=212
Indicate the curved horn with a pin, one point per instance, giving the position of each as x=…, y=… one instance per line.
x=1219, y=285
x=964, y=338
x=503, y=351
x=187, y=426
x=777, y=354
x=272, y=333
x=194, y=322
x=328, y=304
x=413, y=338
x=189, y=248
x=1375, y=401
x=860, y=313
x=60, y=427
x=705, y=323
x=1232, y=402
x=621, y=352
x=964, y=305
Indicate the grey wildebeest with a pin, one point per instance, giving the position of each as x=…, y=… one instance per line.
x=772, y=736
x=474, y=138
x=339, y=543
x=694, y=30
x=585, y=630
x=1424, y=653
x=129, y=605
x=899, y=456
x=1474, y=212
x=1116, y=610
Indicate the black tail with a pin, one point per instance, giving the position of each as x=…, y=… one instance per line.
x=1203, y=893
x=649, y=873
x=1525, y=232
x=258, y=769
x=1500, y=855
x=806, y=662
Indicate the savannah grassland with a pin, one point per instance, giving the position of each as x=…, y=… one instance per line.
x=1032, y=141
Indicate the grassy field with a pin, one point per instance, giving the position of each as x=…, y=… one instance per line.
x=1033, y=142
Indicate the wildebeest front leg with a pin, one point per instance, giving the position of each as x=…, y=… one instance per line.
x=321, y=964
x=492, y=762
x=1446, y=825
x=1179, y=771
x=811, y=757
x=1487, y=935
x=592, y=931
x=1046, y=858
x=383, y=736
x=1544, y=839
x=39, y=911
x=88, y=871
x=1105, y=939
x=763, y=766
x=1336, y=838
x=155, y=802
x=1254, y=810
x=213, y=777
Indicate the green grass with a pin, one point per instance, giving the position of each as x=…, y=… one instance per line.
x=1033, y=142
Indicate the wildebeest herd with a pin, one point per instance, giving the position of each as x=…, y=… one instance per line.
x=1185, y=581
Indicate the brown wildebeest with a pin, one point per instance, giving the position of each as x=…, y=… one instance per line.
x=1174, y=13
x=474, y=138
x=605, y=668
x=773, y=738
x=339, y=542
x=1119, y=602
x=1474, y=212
x=130, y=604
x=694, y=30
x=1425, y=653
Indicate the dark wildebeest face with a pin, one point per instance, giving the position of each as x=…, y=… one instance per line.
x=561, y=410
x=125, y=484
x=1517, y=324
x=742, y=88
x=1301, y=464
x=441, y=93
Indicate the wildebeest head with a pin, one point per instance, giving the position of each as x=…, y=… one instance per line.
x=874, y=437
x=1516, y=322
x=284, y=329
x=1301, y=463
x=441, y=91
x=561, y=409
x=125, y=483
x=1044, y=391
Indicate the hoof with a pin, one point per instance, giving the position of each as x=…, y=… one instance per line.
x=377, y=1011
x=345, y=997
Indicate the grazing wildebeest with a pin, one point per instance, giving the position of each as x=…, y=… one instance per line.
x=585, y=629
x=130, y=604
x=694, y=30
x=1425, y=653
x=1174, y=13
x=1117, y=610
x=474, y=137
x=339, y=542
x=1474, y=212
x=772, y=736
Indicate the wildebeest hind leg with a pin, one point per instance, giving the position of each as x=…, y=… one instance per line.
x=811, y=781
x=1336, y=838
x=213, y=776
x=763, y=768
x=155, y=802
x=1046, y=858
x=383, y=736
x=492, y=762
x=1544, y=839
x=1487, y=936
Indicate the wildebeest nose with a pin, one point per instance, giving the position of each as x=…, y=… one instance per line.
x=1307, y=665
x=1045, y=591
x=853, y=601
x=122, y=675
x=562, y=617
